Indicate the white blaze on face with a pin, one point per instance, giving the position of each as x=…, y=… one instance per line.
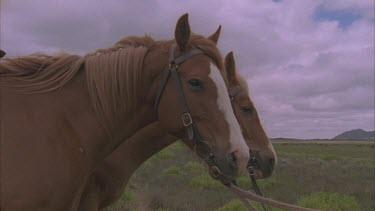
x=236, y=139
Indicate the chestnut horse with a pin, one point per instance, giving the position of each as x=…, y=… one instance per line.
x=62, y=115
x=109, y=180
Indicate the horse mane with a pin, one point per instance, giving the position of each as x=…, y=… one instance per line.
x=113, y=91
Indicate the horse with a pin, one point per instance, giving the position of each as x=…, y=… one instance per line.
x=261, y=148
x=109, y=180
x=60, y=115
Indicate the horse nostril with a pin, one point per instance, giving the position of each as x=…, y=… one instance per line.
x=232, y=159
x=233, y=156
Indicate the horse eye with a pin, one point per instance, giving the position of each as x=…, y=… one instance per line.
x=247, y=109
x=195, y=83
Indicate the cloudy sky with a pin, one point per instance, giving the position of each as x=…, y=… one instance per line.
x=309, y=64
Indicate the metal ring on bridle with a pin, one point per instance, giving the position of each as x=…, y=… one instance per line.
x=251, y=170
x=204, y=143
x=215, y=171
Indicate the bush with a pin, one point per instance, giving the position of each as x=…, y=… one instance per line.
x=329, y=201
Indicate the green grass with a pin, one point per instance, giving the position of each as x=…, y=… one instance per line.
x=234, y=205
x=126, y=200
x=237, y=205
x=174, y=170
x=165, y=154
x=205, y=181
x=306, y=174
x=329, y=201
x=194, y=166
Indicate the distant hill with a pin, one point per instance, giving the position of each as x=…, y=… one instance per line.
x=356, y=134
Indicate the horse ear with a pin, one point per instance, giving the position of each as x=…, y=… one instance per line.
x=2, y=53
x=230, y=66
x=182, y=32
x=215, y=36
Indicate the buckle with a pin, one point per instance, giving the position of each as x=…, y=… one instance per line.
x=173, y=65
x=186, y=119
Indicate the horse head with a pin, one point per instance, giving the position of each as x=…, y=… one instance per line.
x=193, y=102
x=263, y=156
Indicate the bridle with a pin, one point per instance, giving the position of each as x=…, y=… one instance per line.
x=201, y=147
x=172, y=71
x=253, y=161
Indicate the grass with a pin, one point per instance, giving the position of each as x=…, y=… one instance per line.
x=173, y=170
x=329, y=201
x=339, y=176
x=205, y=181
x=194, y=166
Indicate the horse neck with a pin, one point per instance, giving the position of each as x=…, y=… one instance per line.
x=137, y=149
x=155, y=63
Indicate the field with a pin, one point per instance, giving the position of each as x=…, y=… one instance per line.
x=318, y=174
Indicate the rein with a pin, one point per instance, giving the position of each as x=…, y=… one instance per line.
x=245, y=195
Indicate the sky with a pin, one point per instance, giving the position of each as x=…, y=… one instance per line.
x=309, y=64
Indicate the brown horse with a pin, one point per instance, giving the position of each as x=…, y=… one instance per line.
x=61, y=115
x=247, y=116
x=110, y=178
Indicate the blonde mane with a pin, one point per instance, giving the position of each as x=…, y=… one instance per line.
x=113, y=74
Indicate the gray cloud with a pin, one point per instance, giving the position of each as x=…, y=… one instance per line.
x=308, y=78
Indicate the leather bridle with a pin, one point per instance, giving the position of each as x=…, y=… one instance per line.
x=201, y=147
x=172, y=72
x=253, y=161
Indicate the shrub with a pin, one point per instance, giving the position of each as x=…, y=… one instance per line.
x=329, y=201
